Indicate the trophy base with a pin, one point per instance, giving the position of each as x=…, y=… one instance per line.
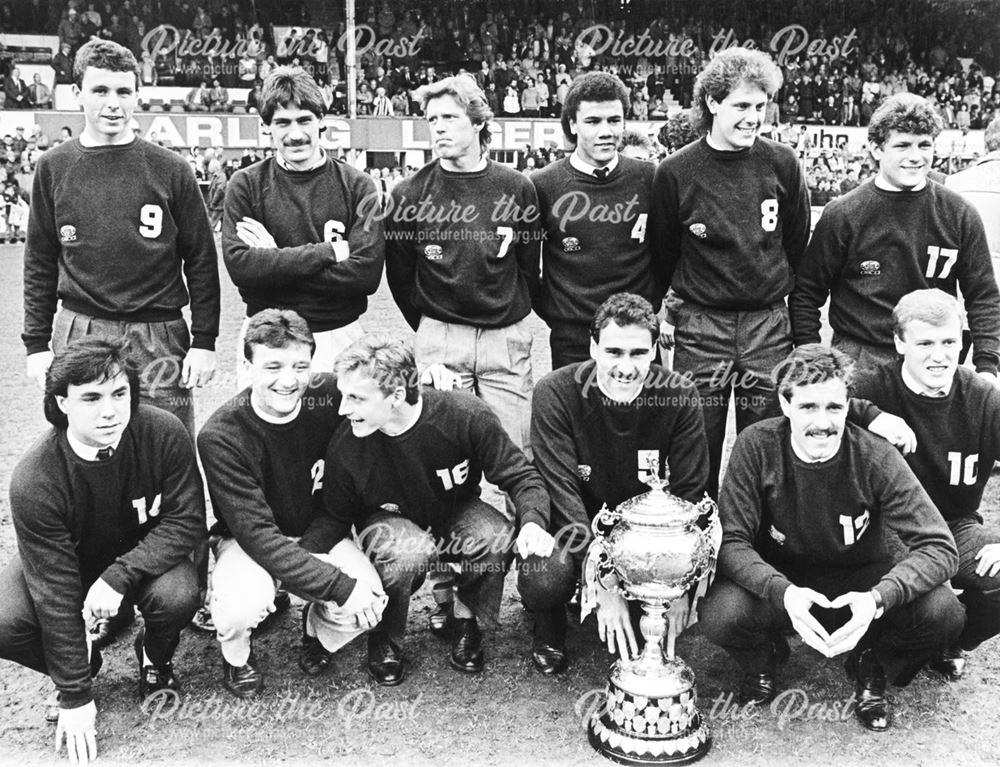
x=640, y=730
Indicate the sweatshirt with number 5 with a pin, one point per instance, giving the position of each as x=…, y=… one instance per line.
x=122, y=233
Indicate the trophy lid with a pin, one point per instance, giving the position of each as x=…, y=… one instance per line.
x=658, y=502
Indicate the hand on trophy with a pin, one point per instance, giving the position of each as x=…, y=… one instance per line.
x=614, y=625
x=797, y=601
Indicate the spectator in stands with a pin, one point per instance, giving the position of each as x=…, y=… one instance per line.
x=400, y=103
x=382, y=106
x=18, y=143
x=62, y=63
x=16, y=91
x=197, y=98
x=529, y=99
x=253, y=97
x=70, y=30
x=216, y=195
x=39, y=95
x=247, y=68
x=218, y=98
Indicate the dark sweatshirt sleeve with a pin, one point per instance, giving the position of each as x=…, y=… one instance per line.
x=688, y=460
x=664, y=224
x=555, y=455
x=795, y=215
x=342, y=504
x=864, y=390
x=401, y=264
x=979, y=289
x=908, y=510
x=41, y=263
x=196, y=248
x=39, y=510
x=506, y=467
x=741, y=508
x=816, y=274
x=361, y=272
x=238, y=498
x=529, y=239
x=181, y=522
x=262, y=267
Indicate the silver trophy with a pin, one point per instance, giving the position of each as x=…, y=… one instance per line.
x=659, y=546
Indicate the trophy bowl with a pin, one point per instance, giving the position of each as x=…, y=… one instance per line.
x=657, y=546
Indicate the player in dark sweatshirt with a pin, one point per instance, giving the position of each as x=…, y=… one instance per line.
x=595, y=207
x=263, y=454
x=119, y=233
x=462, y=250
x=955, y=416
x=595, y=428
x=106, y=505
x=405, y=472
x=301, y=230
x=805, y=505
x=897, y=233
x=729, y=225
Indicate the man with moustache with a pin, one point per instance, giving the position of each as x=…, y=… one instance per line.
x=298, y=229
x=595, y=205
x=805, y=505
x=729, y=225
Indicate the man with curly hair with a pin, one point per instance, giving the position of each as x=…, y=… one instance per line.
x=892, y=235
x=729, y=226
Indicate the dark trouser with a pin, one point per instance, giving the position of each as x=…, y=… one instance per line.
x=167, y=604
x=158, y=348
x=569, y=342
x=726, y=352
x=981, y=594
x=477, y=537
x=546, y=585
x=866, y=356
x=903, y=638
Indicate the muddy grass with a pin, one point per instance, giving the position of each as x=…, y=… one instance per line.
x=508, y=715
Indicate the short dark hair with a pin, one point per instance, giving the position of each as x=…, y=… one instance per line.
x=289, y=85
x=904, y=113
x=388, y=361
x=811, y=364
x=592, y=86
x=276, y=329
x=724, y=74
x=104, y=54
x=88, y=360
x=625, y=309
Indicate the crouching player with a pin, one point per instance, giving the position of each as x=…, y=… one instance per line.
x=406, y=474
x=263, y=454
x=106, y=505
x=955, y=415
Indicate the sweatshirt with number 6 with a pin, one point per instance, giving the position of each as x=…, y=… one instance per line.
x=118, y=232
x=126, y=520
x=306, y=212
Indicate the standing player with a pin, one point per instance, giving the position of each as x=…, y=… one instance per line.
x=895, y=234
x=263, y=454
x=730, y=223
x=119, y=233
x=107, y=505
x=955, y=415
x=595, y=427
x=295, y=232
x=594, y=206
x=406, y=474
x=462, y=256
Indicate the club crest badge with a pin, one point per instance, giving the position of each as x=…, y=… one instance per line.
x=699, y=230
x=570, y=244
x=67, y=233
x=778, y=536
x=433, y=252
x=583, y=471
x=870, y=269
x=392, y=508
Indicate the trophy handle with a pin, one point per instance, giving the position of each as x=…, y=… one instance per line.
x=603, y=522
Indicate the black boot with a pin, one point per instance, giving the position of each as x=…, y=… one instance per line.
x=762, y=687
x=872, y=707
x=548, y=650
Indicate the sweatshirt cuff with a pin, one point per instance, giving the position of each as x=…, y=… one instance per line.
x=775, y=591
x=116, y=577
x=34, y=347
x=76, y=699
x=986, y=364
x=892, y=595
x=536, y=516
x=342, y=588
x=203, y=341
